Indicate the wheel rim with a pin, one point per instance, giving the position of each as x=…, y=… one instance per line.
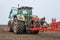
x=15, y=27
x=14, y=30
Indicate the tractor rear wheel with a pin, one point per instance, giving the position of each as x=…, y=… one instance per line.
x=19, y=27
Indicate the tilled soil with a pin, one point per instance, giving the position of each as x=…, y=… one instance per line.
x=46, y=35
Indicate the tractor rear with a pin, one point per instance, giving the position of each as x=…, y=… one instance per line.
x=22, y=20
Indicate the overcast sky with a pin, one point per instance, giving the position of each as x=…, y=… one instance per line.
x=47, y=8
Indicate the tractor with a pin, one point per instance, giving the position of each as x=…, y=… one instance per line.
x=21, y=20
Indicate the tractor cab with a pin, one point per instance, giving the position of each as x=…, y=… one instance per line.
x=26, y=11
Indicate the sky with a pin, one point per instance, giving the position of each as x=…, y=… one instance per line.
x=48, y=8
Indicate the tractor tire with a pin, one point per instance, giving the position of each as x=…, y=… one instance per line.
x=19, y=28
x=9, y=27
x=32, y=32
x=35, y=32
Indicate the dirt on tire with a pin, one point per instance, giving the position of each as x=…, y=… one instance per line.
x=46, y=35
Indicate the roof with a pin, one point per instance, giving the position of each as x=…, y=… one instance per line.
x=24, y=7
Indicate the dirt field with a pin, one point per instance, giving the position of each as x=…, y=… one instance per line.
x=47, y=35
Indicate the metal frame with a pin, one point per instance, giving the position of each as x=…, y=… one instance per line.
x=51, y=27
